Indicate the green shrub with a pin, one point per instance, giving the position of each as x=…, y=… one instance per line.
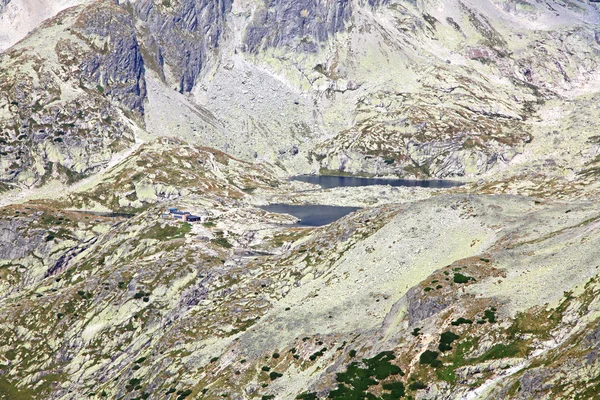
x=183, y=394
x=490, y=316
x=319, y=353
x=446, y=339
x=461, y=321
x=274, y=375
x=307, y=396
x=460, y=278
x=417, y=385
x=396, y=388
x=430, y=357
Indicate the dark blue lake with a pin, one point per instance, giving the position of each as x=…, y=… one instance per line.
x=328, y=182
x=311, y=215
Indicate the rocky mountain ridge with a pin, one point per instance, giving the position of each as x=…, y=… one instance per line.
x=316, y=60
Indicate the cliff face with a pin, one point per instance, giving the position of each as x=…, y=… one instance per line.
x=115, y=61
x=299, y=25
x=180, y=36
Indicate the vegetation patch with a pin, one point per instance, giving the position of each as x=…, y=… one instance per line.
x=460, y=278
x=318, y=354
x=446, y=339
x=222, y=242
x=429, y=357
x=274, y=375
x=461, y=321
x=356, y=380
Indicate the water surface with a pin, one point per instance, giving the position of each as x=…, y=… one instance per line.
x=311, y=215
x=328, y=182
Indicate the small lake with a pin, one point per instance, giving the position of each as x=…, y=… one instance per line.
x=328, y=182
x=311, y=215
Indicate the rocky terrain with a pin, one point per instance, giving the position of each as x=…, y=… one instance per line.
x=111, y=112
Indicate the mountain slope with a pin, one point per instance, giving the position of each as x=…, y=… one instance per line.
x=113, y=112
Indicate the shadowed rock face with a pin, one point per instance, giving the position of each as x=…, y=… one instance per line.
x=3, y=3
x=181, y=34
x=117, y=66
x=298, y=24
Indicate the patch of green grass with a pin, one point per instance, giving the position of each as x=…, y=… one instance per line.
x=10, y=391
x=167, y=231
x=446, y=374
x=501, y=350
x=222, y=242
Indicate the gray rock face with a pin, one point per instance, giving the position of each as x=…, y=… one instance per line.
x=298, y=24
x=181, y=34
x=118, y=66
x=3, y=4
x=420, y=308
x=14, y=245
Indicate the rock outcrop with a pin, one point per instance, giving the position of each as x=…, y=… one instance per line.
x=66, y=92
